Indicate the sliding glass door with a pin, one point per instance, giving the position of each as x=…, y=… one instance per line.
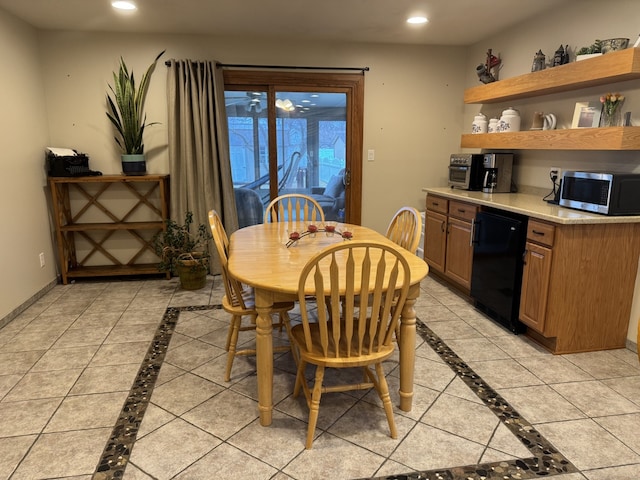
x=291, y=133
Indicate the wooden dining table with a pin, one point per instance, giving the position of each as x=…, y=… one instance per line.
x=259, y=257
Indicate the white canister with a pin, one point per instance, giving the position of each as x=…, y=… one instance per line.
x=510, y=120
x=493, y=125
x=479, y=124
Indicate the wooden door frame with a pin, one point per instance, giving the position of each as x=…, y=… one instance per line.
x=351, y=84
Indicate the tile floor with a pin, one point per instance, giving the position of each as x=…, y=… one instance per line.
x=68, y=363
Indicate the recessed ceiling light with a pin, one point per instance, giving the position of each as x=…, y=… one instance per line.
x=121, y=5
x=417, y=20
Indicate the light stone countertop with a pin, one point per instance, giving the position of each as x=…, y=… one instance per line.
x=530, y=204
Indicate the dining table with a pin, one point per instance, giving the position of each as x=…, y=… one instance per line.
x=264, y=257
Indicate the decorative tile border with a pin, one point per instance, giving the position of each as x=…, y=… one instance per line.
x=115, y=456
x=546, y=460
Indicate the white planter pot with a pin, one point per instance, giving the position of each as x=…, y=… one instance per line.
x=586, y=56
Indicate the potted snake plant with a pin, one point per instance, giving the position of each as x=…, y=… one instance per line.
x=126, y=113
x=183, y=251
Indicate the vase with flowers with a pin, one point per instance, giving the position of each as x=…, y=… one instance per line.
x=611, y=109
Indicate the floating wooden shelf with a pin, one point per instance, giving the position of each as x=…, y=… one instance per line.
x=609, y=138
x=610, y=68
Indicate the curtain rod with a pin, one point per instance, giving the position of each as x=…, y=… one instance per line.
x=284, y=67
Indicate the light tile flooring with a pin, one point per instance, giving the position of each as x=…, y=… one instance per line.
x=68, y=362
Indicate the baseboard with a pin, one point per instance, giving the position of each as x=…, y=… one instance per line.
x=633, y=346
x=37, y=296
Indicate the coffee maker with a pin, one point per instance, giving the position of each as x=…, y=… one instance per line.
x=497, y=172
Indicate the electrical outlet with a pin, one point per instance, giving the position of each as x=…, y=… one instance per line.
x=555, y=173
x=41, y=260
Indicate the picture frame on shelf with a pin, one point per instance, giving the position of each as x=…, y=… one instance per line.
x=586, y=115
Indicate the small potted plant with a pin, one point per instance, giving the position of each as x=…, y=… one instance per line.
x=593, y=50
x=184, y=251
x=125, y=110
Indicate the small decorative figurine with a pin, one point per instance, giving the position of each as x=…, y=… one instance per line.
x=539, y=61
x=484, y=71
x=561, y=56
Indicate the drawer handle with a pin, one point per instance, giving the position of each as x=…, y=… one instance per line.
x=462, y=210
x=536, y=232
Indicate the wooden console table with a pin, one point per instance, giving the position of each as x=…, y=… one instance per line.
x=104, y=214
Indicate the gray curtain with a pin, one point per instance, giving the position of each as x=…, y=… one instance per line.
x=199, y=162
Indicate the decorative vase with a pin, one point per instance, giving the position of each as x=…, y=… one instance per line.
x=611, y=118
x=134, y=164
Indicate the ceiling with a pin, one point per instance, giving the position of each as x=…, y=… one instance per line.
x=452, y=22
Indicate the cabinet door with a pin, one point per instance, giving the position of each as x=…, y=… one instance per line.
x=535, y=286
x=459, y=255
x=435, y=238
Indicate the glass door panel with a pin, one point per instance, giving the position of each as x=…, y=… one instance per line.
x=311, y=147
x=247, y=118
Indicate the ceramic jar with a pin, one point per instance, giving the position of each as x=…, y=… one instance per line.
x=493, y=125
x=510, y=120
x=479, y=124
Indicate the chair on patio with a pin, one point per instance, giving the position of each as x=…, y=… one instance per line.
x=238, y=300
x=348, y=275
x=293, y=207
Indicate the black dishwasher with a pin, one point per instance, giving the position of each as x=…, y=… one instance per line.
x=498, y=247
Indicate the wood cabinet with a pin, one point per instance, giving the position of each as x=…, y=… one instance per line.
x=610, y=68
x=99, y=220
x=578, y=284
x=535, y=275
x=448, y=231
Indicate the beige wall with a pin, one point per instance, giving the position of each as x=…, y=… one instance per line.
x=23, y=199
x=578, y=25
x=413, y=103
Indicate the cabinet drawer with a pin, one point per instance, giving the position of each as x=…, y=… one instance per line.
x=437, y=204
x=541, y=232
x=463, y=211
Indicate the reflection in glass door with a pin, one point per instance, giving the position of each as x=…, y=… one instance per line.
x=310, y=136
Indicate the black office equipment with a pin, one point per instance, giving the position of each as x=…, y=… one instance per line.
x=67, y=163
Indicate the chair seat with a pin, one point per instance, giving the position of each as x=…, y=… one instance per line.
x=249, y=305
x=340, y=359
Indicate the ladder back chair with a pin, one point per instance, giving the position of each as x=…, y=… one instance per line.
x=405, y=228
x=238, y=300
x=363, y=287
x=293, y=207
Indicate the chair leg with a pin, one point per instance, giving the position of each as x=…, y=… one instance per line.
x=314, y=408
x=287, y=325
x=299, y=378
x=386, y=399
x=232, y=341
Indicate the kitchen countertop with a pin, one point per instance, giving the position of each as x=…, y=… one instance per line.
x=530, y=204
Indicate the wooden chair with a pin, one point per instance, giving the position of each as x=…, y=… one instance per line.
x=293, y=207
x=339, y=277
x=238, y=300
x=405, y=228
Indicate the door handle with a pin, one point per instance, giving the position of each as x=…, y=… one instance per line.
x=472, y=238
x=347, y=177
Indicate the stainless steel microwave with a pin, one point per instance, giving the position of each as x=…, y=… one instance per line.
x=600, y=192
